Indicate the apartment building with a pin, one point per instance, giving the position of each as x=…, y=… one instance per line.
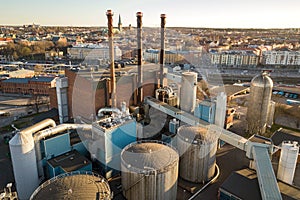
x=234, y=58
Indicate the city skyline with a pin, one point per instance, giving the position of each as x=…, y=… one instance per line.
x=210, y=14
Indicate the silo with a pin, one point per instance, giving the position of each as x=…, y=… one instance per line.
x=258, y=105
x=74, y=185
x=288, y=161
x=24, y=164
x=149, y=171
x=197, y=147
x=188, y=91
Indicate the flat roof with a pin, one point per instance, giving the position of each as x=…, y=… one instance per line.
x=260, y=139
x=26, y=80
x=285, y=135
x=244, y=184
x=70, y=161
x=230, y=90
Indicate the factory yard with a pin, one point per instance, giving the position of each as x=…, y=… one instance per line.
x=228, y=159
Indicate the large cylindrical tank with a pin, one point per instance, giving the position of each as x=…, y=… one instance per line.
x=74, y=185
x=24, y=164
x=149, y=171
x=258, y=105
x=197, y=147
x=188, y=91
x=288, y=162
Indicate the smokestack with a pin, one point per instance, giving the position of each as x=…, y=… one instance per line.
x=109, y=15
x=162, y=48
x=139, y=16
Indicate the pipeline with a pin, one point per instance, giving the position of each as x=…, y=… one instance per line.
x=115, y=110
x=207, y=184
x=49, y=132
x=38, y=126
x=166, y=89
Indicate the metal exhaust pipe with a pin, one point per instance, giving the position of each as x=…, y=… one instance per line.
x=139, y=16
x=109, y=15
x=162, y=48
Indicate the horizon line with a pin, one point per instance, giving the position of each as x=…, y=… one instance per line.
x=101, y=26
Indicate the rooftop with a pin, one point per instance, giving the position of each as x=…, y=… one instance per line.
x=70, y=161
x=26, y=80
x=285, y=135
x=244, y=184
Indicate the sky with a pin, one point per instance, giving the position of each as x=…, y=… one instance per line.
x=180, y=13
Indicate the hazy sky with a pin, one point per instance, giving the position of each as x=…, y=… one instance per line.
x=188, y=13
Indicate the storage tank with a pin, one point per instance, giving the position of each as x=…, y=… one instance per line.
x=188, y=91
x=149, y=171
x=258, y=105
x=74, y=185
x=24, y=164
x=197, y=147
x=288, y=161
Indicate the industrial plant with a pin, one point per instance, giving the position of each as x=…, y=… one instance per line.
x=137, y=130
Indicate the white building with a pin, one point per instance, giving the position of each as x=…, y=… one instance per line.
x=93, y=52
x=281, y=57
x=234, y=58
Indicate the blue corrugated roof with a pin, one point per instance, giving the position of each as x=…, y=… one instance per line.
x=26, y=80
x=17, y=80
x=42, y=79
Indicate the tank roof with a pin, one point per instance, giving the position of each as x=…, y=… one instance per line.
x=149, y=156
x=78, y=186
x=262, y=80
x=197, y=135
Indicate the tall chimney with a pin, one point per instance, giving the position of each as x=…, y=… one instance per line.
x=139, y=16
x=162, y=48
x=109, y=15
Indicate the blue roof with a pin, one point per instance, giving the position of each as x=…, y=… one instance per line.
x=26, y=80
x=42, y=79
x=16, y=80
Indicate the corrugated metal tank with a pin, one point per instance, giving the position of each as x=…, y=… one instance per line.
x=24, y=165
x=188, y=91
x=197, y=147
x=74, y=185
x=288, y=162
x=258, y=105
x=149, y=171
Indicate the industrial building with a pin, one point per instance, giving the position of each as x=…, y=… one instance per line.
x=121, y=121
x=35, y=85
x=243, y=184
